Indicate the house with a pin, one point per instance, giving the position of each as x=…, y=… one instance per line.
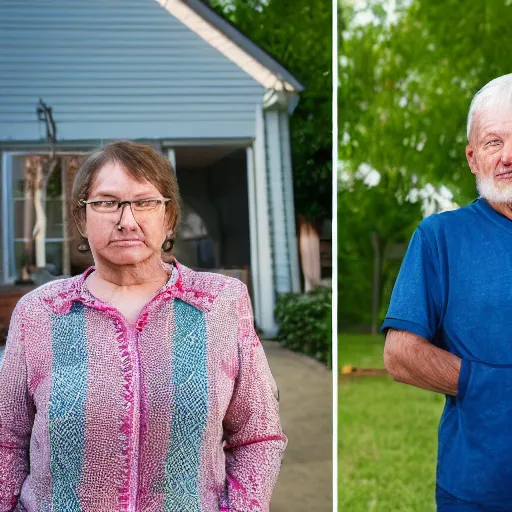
x=169, y=73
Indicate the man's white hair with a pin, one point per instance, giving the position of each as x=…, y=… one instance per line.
x=494, y=95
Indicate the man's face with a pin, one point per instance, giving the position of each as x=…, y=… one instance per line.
x=489, y=154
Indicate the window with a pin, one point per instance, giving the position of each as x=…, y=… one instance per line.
x=19, y=218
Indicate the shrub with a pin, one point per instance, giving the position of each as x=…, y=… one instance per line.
x=305, y=323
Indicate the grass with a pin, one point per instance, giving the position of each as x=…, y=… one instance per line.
x=387, y=436
x=361, y=350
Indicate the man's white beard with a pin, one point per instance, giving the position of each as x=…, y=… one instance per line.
x=488, y=189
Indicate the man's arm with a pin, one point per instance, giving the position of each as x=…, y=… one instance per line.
x=413, y=360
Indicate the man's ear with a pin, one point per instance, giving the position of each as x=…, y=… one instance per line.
x=470, y=155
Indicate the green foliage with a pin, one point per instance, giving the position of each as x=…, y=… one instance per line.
x=298, y=34
x=406, y=83
x=364, y=210
x=305, y=323
x=406, y=87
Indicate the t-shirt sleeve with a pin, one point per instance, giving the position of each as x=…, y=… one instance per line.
x=416, y=299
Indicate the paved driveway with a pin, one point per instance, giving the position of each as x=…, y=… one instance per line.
x=305, y=388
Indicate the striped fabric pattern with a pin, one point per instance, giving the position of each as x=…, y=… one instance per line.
x=67, y=406
x=177, y=411
x=189, y=378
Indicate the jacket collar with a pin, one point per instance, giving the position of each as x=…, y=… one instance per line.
x=184, y=283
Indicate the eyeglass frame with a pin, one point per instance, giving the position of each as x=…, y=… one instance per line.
x=162, y=200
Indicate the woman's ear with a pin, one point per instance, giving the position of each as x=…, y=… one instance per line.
x=81, y=232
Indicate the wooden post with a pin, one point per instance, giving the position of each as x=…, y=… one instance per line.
x=309, y=247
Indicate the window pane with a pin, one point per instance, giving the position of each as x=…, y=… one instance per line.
x=54, y=228
x=54, y=218
x=19, y=219
x=19, y=256
x=54, y=257
x=18, y=175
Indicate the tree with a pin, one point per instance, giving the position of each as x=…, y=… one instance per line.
x=407, y=77
x=373, y=218
x=298, y=35
x=406, y=86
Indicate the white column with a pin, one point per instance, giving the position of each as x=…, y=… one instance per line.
x=171, y=155
x=265, y=265
x=7, y=203
x=277, y=203
x=291, y=229
x=253, y=235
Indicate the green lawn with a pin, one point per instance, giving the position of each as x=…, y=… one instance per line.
x=387, y=436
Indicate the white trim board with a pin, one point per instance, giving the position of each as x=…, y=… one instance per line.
x=265, y=264
x=7, y=239
x=229, y=48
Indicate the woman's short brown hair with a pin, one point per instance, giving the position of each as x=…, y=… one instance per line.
x=141, y=162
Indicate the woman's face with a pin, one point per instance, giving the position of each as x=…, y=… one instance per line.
x=148, y=229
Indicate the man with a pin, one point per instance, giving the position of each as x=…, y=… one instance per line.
x=449, y=323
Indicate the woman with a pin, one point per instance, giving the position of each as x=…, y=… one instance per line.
x=138, y=385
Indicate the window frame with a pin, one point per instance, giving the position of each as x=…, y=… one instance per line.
x=8, y=240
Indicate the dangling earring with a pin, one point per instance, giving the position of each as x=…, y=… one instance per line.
x=83, y=246
x=168, y=245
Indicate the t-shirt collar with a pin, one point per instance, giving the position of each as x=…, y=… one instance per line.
x=485, y=207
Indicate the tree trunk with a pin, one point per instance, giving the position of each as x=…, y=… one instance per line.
x=39, y=232
x=377, y=262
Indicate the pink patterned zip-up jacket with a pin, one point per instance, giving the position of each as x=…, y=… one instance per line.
x=176, y=412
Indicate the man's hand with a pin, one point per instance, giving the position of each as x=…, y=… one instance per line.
x=413, y=360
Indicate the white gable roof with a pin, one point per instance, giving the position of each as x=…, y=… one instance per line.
x=223, y=36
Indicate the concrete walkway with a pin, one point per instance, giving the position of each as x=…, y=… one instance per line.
x=305, y=388
x=305, y=405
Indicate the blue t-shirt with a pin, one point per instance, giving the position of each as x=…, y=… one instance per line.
x=454, y=288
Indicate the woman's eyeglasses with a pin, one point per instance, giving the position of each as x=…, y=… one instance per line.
x=140, y=205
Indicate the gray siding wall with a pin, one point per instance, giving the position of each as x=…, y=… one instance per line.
x=116, y=69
